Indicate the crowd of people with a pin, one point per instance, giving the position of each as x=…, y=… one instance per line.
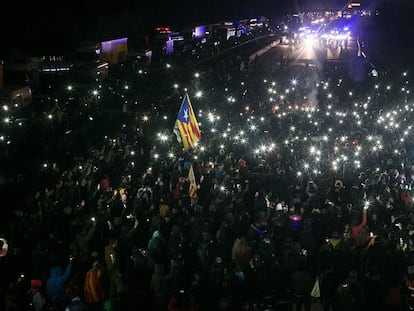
x=303, y=178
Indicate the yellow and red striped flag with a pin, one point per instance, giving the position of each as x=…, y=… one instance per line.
x=186, y=127
x=192, y=189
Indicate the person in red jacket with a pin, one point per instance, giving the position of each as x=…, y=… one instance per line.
x=356, y=226
x=183, y=301
x=406, y=198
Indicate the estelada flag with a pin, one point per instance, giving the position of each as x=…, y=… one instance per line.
x=192, y=189
x=186, y=126
x=92, y=288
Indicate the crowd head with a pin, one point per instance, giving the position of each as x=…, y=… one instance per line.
x=295, y=182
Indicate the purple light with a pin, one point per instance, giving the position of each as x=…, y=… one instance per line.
x=200, y=31
x=108, y=46
x=169, y=47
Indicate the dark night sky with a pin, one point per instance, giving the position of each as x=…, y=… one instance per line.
x=42, y=28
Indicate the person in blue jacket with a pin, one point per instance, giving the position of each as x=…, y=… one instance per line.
x=55, y=285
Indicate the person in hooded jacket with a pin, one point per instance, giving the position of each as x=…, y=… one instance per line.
x=158, y=248
x=55, y=285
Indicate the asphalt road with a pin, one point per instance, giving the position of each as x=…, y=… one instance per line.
x=302, y=55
